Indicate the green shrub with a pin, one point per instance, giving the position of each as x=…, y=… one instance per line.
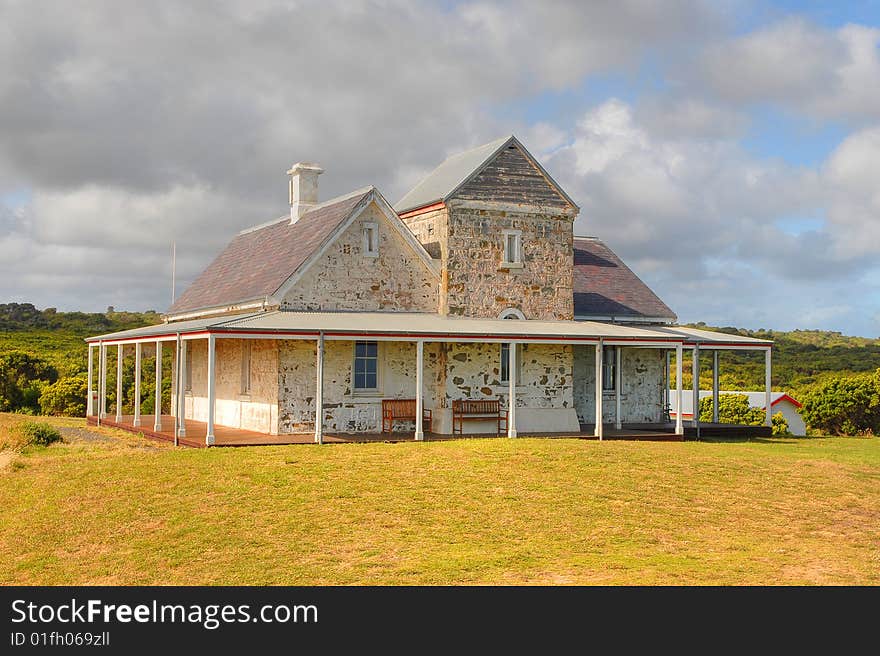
x=732, y=409
x=844, y=405
x=35, y=433
x=780, y=424
x=65, y=397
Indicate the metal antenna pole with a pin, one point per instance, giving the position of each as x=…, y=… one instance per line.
x=173, y=269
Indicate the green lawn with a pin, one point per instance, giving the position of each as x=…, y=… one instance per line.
x=123, y=510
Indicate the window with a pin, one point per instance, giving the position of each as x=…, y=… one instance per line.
x=505, y=363
x=366, y=366
x=512, y=248
x=246, y=345
x=511, y=313
x=609, y=367
x=371, y=239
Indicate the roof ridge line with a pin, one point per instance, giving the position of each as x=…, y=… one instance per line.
x=336, y=199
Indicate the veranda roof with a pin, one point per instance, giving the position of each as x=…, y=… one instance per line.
x=411, y=326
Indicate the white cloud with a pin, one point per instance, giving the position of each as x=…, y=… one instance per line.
x=802, y=66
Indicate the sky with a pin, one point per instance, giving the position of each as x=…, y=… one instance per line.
x=728, y=151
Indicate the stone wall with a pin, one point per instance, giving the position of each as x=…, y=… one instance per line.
x=344, y=409
x=641, y=386
x=257, y=411
x=470, y=244
x=477, y=284
x=543, y=396
x=430, y=228
x=346, y=279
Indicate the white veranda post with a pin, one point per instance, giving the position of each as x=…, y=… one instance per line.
x=157, y=407
x=420, y=402
x=768, y=417
x=209, y=434
x=89, y=406
x=181, y=391
x=715, y=393
x=119, y=354
x=136, y=421
x=618, y=358
x=511, y=390
x=319, y=391
x=598, y=429
x=102, y=383
x=679, y=422
x=695, y=385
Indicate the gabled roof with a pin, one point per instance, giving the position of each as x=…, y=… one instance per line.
x=258, y=261
x=605, y=288
x=456, y=171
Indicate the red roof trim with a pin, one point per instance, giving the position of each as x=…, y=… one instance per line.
x=786, y=397
x=424, y=208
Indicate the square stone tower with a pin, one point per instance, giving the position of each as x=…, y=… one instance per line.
x=502, y=229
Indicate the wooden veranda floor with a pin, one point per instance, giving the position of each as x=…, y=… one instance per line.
x=227, y=436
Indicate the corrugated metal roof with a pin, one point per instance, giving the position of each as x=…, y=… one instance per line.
x=405, y=324
x=183, y=327
x=709, y=337
x=448, y=176
x=605, y=287
x=257, y=262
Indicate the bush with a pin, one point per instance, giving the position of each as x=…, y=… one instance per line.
x=732, y=409
x=844, y=405
x=780, y=424
x=66, y=397
x=32, y=433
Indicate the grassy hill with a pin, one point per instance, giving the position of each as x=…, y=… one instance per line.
x=57, y=337
x=800, y=358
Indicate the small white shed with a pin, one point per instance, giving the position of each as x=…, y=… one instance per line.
x=779, y=402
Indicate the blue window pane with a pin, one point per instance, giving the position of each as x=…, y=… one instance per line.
x=370, y=381
x=505, y=362
x=360, y=349
x=371, y=366
x=372, y=349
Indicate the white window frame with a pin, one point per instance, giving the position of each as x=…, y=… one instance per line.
x=367, y=391
x=512, y=260
x=247, y=367
x=504, y=361
x=609, y=368
x=369, y=228
x=504, y=350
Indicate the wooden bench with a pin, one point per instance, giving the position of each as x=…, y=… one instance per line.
x=402, y=409
x=489, y=409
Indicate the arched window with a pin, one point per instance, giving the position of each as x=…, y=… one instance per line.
x=511, y=313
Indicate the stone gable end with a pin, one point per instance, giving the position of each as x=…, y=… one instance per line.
x=345, y=278
x=512, y=178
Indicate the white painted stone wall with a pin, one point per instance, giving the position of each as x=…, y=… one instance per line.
x=346, y=279
x=544, y=398
x=641, y=386
x=257, y=411
x=344, y=409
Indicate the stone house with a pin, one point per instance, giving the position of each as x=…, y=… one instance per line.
x=472, y=287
